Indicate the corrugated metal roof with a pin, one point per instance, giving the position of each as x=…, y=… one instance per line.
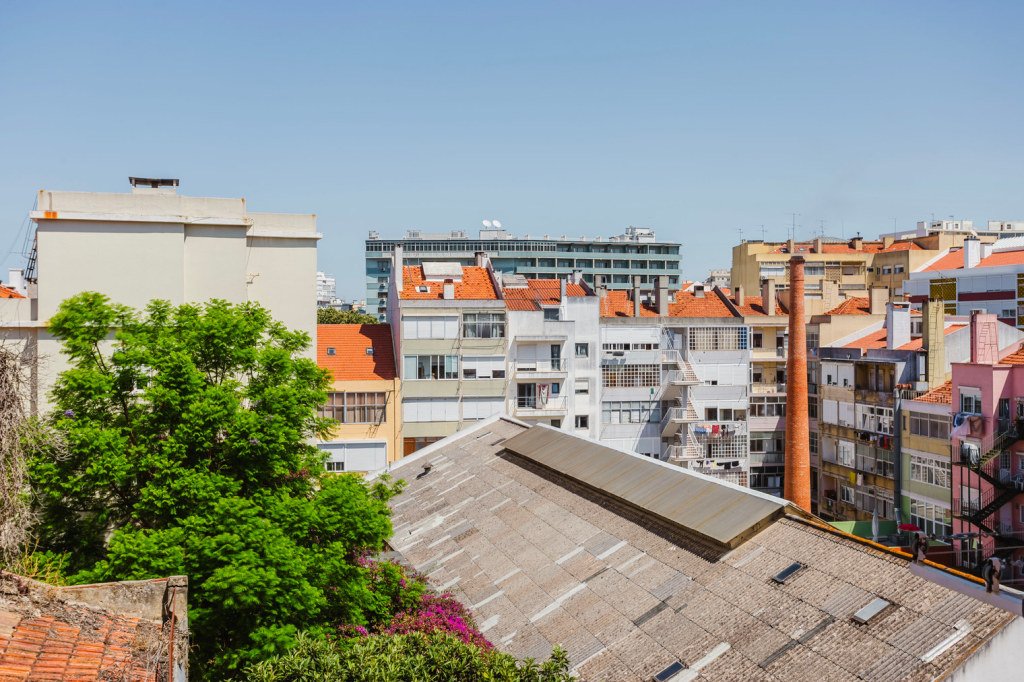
x=719, y=511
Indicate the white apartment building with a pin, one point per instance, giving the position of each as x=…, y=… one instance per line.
x=553, y=353
x=153, y=243
x=676, y=378
x=326, y=290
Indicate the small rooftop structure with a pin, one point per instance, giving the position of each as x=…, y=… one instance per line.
x=153, y=183
x=642, y=570
x=429, y=282
x=133, y=631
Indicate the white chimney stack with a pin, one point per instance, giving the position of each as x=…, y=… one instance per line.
x=972, y=252
x=16, y=281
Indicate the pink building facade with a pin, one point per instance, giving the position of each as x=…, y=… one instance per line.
x=988, y=453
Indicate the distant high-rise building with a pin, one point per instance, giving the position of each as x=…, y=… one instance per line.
x=636, y=253
x=326, y=290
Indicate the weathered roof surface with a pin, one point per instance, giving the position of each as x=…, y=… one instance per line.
x=617, y=303
x=7, y=292
x=349, y=360
x=856, y=305
x=725, y=514
x=544, y=559
x=940, y=395
x=954, y=260
x=49, y=633
x=878, y=339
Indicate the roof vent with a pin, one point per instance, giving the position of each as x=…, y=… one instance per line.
x=369, y=350
x=423, y=289
x=330, y=351
x=781, y=576
x=669, y=672
x=153, y=183
x=870, y=611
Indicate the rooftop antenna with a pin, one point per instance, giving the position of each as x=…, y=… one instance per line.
x=793, y=232
x=821, y=228
x=762, y=231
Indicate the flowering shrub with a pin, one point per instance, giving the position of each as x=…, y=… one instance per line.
x=393, y=589
x=438, y=613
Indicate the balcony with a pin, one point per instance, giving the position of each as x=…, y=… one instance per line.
x=536, y=407
x=762, y=388
x=768, y=353
x=675, y=417
x=554, y=368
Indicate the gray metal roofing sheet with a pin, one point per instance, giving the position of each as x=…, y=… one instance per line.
x=701, y=504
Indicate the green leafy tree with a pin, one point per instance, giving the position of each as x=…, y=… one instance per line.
x=333, y=316
x=188, y=435
x=404, y=658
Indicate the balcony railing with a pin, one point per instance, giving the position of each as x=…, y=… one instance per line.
x=763, y=388
x=552, y=365
x=538, y=403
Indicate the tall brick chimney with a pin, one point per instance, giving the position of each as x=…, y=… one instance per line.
x=798, y=452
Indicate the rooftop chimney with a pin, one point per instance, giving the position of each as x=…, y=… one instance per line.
x=817, y=245
x=16, y=280
x=888, y=241
x=481, y=259
x=897, y=325
x=562, y=286
x=768, y=293
x=396, y=268
x=797, y=483
x=740, y=298
x=661, y=296
x=858, y=244
x=933, y=341
x=449, y=291
x=984, y=338
x=698, y=291
x=986, y=249
x=972, y=252
x=791, y=246
x=636, y=296
x=878, y=297
x=599, y=288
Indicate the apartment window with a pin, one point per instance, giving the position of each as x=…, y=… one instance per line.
x=970, y=400
x=875, y=419
x=930, y=471
x=582, y=387
x=756, y=340
x=630, y=412
x=431, y=367
x=812, y=409
x=483, y=367
x=411, y=445
x=483, y=325
x=813, y=443
x=430, y=327
x=355, y=408
x=335, y=466
x=718, y=338
x=814, y=270
x=846, y=453
x=582, y=350
x=931, y=518
x=631, y=376
x=551, y=314
x=767, y=406
x=845, y=494
x=582, y=421
x=898, y=269
x=430, y=410
x=929, y=425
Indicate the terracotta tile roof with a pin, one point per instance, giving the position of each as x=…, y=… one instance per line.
x=618, y=304
x=902, y=246
x=831, y=247
x=754, y=305
x=941, y=395
x=350, y=361
x=858, y=305
x=1016, y=358
x=7, y=292
x=476, y=285
x=628, y=594
x=538, y=292
x=877, y=339
x=46, y=635
x=954, y=260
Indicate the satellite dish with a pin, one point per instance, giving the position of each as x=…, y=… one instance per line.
x=487, y=223
x=497, y=223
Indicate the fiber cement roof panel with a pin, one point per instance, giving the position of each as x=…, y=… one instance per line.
x=716, y=510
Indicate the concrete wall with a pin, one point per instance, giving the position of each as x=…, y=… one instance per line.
x=998, y=658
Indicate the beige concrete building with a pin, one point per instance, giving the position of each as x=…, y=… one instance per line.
x=365, y=397
x=854, y=265
x=153, y=243
x=449, y=326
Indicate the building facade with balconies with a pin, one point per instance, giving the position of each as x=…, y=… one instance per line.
x=987, y=397
x=553, y=366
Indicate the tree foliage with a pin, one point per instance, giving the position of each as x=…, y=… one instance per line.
x=416, y=657
x=189, y=432
x=334, y=316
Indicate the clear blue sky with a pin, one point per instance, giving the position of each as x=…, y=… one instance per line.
x=697, y=119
